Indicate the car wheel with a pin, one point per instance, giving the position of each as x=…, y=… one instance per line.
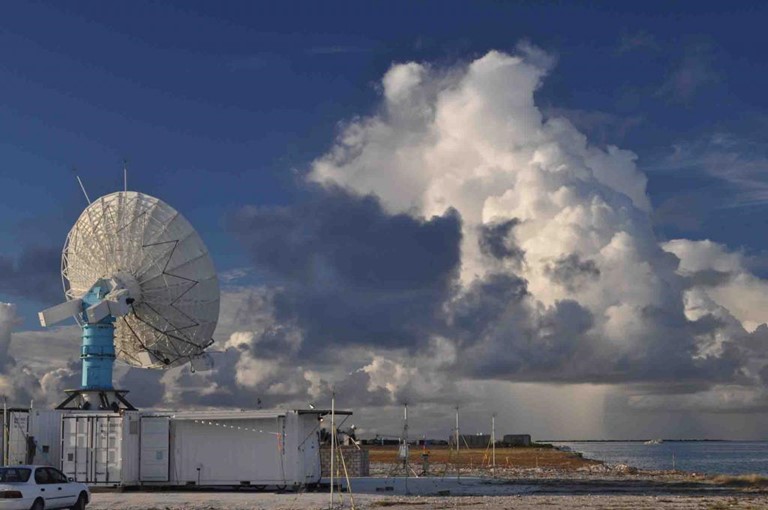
x=39, y=504
x=82, y=500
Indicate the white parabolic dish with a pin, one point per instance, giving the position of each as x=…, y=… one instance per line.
x=140, y=238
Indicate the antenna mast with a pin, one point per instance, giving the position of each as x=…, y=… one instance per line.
x=125, y=175
x=80, y=182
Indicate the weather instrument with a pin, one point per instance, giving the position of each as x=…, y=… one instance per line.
x=141, y=284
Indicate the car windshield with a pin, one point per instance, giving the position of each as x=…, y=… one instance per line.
x=12, y=474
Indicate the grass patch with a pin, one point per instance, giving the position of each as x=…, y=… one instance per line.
x=752, y=480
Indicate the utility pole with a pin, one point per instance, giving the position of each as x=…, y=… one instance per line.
x=333, y=442
x=493, y=442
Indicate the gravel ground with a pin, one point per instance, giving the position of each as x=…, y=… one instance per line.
x=590, y=486
x=267, y=501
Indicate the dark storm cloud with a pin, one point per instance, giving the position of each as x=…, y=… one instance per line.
x=520, y=345
x=505, y=334
x=485, y=302
x=348, y=272
x=343, y=272
x=571, y=271
x=496, y=241
x=708, y=278
x=35, y=274
x=144, y=385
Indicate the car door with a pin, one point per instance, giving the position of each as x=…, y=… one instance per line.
x=51, y=488
x=44, y=488
x=67, y=490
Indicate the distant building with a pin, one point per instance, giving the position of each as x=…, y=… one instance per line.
x=471, y=441
x=517, y=440
x=380, y=441
x=431, y=442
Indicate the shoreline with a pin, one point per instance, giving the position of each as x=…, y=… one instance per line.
x=554, y=463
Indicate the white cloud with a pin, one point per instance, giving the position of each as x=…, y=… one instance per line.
x=743, y=294
x=472, y=138
x=738, y=164
x=561, y=275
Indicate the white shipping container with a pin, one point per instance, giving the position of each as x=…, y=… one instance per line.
x=97, y=447
x=15, y=433
x=45, y=434
x=245, y=451
x=251, y=448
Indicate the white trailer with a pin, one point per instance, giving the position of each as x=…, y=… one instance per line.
x=277, y=448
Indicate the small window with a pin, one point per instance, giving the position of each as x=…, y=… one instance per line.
x=13, y=474
x=56, y=476
x=46, y=448
x=41, y=476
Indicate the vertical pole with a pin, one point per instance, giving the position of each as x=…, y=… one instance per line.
x=125, y=175
x=493, y=441
x=6, y=422
x=333, y=441
x=405, y=444
x=405, y=423
x=458, y=466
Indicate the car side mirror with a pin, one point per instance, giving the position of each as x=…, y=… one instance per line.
x=70, y=479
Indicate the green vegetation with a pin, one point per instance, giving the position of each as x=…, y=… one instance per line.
x=751, y=480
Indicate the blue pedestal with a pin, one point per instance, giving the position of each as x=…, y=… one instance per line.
x=98, y=355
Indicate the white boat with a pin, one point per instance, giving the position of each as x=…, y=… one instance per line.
x=654, y=441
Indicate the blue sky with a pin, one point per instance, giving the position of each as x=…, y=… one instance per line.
x=221, y=105
x=216, y=106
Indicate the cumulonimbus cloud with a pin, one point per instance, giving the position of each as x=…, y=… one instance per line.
x=573, y=284
x=457, y=234
x=460, y=234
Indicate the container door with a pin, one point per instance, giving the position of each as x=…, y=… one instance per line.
x=75, y=451
x=106, y=449
x=155, y=439
x=18, y=432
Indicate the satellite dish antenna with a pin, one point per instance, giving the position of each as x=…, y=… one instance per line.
x=141, y=284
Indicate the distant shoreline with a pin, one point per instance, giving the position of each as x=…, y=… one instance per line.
x=644, y=440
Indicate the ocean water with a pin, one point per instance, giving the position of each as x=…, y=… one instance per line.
x=712, y=457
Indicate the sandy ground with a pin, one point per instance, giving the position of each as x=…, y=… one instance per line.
x=527, y=478
x=465, y=493
x=237, y=501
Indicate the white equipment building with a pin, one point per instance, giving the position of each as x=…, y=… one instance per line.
x=264, y=448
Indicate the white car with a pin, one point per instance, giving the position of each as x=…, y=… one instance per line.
x=40, y=488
